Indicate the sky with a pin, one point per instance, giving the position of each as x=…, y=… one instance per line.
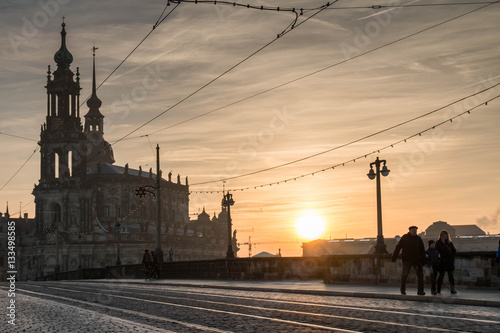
x=286, y=121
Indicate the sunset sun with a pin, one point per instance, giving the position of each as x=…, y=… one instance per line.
x=310, y=225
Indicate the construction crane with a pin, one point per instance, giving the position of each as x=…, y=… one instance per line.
x=250, y=244
x=244, y=230
x=248, y=211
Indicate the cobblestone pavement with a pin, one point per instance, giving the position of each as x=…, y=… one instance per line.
x=124, y=307
x=35, y=315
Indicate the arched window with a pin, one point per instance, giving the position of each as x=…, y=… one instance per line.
x=70, y=163
x=112, y=210
x=55, y=215
x=56, y=165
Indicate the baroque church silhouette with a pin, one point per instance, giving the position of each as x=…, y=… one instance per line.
x=87, y=213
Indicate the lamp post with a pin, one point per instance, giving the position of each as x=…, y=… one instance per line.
x=228, y=201
x=380, y=247
x=158, y=250
x=156, y=192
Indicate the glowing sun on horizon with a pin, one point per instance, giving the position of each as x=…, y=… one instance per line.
x=310, y=225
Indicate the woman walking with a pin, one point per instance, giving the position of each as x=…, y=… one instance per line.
x=445, y=247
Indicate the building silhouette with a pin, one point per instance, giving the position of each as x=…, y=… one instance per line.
x=466, y=238
x=456, y=230
x=86, y=208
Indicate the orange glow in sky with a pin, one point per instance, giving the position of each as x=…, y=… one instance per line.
x=294, y=127
x=310, y=225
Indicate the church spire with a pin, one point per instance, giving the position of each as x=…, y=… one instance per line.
x=94, y=103
x=101, y=151
x=94, y=118
x=63, y=57
x=63, y=92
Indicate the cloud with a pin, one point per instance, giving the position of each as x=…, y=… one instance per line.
x=489, y=222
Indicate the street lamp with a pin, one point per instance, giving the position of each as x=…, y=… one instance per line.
x=156, y=192
x=380, y=247
x=228, y=201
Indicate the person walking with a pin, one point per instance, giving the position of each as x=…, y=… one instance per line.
x=433, y=260
x=447, y=250
x=498, y=254
x=147, y=260
x=413, y=256
x=154, y=266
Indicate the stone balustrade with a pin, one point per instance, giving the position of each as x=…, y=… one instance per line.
x=478, y=269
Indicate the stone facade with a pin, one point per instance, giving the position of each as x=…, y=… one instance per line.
x=87, y=212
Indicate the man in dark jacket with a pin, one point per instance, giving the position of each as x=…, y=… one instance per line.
x=413, y=256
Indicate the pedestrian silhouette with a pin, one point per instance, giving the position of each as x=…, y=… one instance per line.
x=147, y=260
x=413, y=256
x=445, y=247
x=433, y=260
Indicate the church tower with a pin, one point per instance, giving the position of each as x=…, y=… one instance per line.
x=99, y=151
x=61, y=139
x=63, y=147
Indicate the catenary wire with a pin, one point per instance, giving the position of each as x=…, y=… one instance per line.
x=307, y=75
x=356, y=158
x=319, y=71
x=213, y=80
x=488, y=4
x=18, y=170
x=415, y=5
x=354, y=141
x=17, y=136
x=158, y=22
x=220, y=75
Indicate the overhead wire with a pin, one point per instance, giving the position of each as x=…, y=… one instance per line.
x=158, y=22
x=414, y=5
x=222, y=74
x=17, y=136
x=353, y=160
x=22, y=208
x=354, y=141
x=328, y=67
x=20, y=168
x=151, y=146
x=322, y=69
x=488, y=4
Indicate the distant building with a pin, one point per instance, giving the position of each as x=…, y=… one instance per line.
x=86, y=208
x=466, y=238
x=266, y=255
x=23, y=225
x=454, y=230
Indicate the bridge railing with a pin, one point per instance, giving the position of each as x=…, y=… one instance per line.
x=477, y=269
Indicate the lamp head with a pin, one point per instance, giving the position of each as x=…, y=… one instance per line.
x=385, y=171
x=371, y=174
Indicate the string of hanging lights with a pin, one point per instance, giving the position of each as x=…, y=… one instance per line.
x=353, y=160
